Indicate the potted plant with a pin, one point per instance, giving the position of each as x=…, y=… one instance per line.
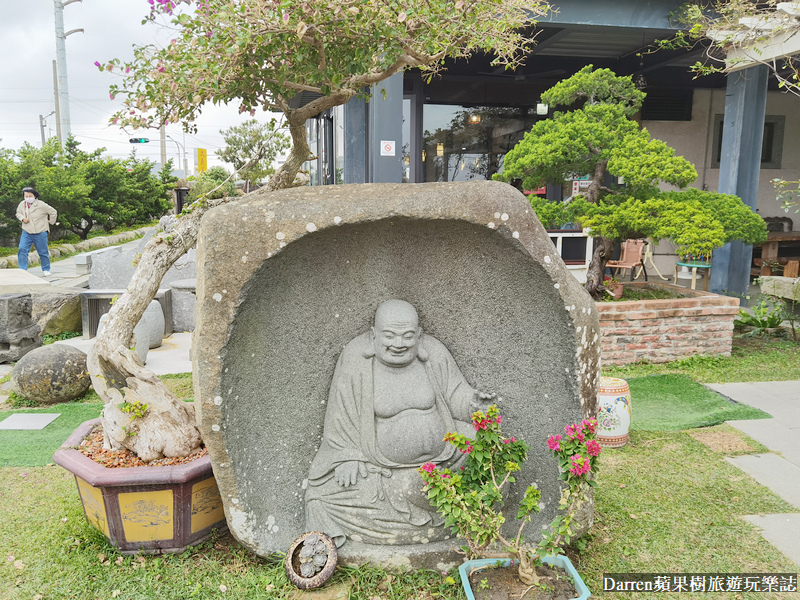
x=153, y=509
x=613, y=286
x=471, y=498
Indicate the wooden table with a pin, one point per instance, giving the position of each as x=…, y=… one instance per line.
x=693, y=265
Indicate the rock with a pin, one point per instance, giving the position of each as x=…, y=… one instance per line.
x=274, y=315
x=19, y=334
x=55, y=309
x=149, y=331
x=51, y=374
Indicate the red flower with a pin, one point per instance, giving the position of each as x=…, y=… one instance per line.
x=593, y=448
x=553, y=442
x=429, y=467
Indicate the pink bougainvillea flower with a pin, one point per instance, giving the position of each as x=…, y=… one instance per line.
x=506, y=441
x=553, y=442
x=589, y=425
x=97, y=64
x=429, y=467
x=570, y=431
x=499, y=419
x=593, y=448
x=580, y=465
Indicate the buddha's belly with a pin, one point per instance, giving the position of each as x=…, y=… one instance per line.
x=411, y=437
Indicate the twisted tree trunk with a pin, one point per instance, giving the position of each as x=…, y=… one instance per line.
x=167, y=427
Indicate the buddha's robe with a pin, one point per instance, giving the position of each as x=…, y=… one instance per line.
x=388, y=506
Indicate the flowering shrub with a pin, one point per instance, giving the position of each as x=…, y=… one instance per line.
x=471, y=498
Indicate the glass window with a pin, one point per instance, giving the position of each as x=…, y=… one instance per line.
x=311, y=165
x=771, y=145
x=462, y=143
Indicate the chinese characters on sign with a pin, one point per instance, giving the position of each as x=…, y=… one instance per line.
x=700, y=582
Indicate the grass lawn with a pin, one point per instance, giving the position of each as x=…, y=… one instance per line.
x=673, y=402
x=752, y=359
x=666, y=502
x=30, y=448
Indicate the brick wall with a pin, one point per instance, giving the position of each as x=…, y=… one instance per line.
x=665, y=330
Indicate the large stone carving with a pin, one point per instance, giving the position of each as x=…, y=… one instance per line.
x=277, y=314
x=395, y=394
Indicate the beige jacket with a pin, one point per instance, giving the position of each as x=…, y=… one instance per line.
x=40, y=216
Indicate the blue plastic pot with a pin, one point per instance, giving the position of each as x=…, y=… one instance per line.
x=483, y=563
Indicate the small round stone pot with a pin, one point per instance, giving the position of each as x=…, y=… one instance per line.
x=613, y=412
x=294, y=559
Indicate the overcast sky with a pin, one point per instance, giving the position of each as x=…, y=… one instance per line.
x=111, y=28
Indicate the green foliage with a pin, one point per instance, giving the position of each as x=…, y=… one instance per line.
x=17, y=401
x=216, y=182
x=252, y=148
x=136, y=409
x=596, y=86
x=768, y=313
x=260, y=54
x=64, y=335
x=471, y=499
x=86, y=189
x=600, y=137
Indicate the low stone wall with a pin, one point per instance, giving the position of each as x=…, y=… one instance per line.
x=665, y=330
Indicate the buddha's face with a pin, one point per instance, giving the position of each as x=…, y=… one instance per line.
x=396, y=334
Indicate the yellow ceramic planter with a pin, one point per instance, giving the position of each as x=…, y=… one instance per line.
x=151, y=510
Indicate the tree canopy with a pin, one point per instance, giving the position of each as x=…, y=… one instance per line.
x=252, y=148
x=598, y=137
x=86, y=189
x=263, y=53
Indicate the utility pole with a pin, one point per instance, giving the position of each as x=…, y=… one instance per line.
x=163, y=131
x=58, y=103
x=61, y=61
x=42, y=125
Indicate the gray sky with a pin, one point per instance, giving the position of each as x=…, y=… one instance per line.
x=111, y=28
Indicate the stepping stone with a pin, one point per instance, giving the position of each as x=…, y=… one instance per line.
x=28, y=421
x=780, y=531
x=773, y=471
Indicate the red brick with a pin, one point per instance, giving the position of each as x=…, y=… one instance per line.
x=612, y=317
x=685, y=303
x=642, y=314
x=693, y=312
x=726, y=310
x=671, y=313
x=649, y=338
x=635, y=346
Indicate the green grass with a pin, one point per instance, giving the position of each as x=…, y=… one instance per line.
x=33, y=448
x=667, y=503
x=752, y=359
x=674, y=402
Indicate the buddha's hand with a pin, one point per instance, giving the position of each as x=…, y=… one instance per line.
x=346, y=474
x=482, y=401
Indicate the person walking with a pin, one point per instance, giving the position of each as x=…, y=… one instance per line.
x=36, y=217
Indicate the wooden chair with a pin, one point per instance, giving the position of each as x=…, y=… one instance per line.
x=630, y=258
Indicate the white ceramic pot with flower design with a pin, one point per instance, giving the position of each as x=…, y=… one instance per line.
x=613, y=412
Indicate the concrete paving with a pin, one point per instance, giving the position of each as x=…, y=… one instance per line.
x=778, y=470
x=780, y=531
x=173, y=356
x=21, y=421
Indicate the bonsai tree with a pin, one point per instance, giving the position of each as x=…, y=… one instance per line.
x=598, y=137
x=260, y=55
x=250, y=139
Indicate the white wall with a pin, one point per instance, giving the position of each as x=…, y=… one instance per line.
x=693, y=140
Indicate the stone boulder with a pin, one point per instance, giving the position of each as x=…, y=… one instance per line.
x=19, y=334
x=54, y=309
x=149, y=331
x=51, y=374
x=276, y=315
x=114, y=268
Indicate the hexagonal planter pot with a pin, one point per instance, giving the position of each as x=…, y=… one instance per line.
x=152, y=510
